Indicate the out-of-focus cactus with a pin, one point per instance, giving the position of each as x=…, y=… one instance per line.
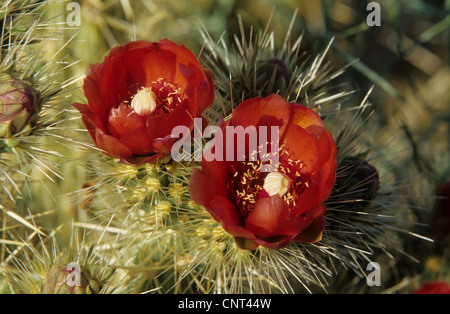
x=19, y=106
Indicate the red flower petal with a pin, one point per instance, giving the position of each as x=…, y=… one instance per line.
x=145, y=66
x=139, y=44
x=123, y=120
x=164, y=145
x=327, y=147
x=264, y=219
x=203, y=188
x=90, y=119
x=93, y=94
x=225, y=212
x=292, y=225
x=205, y=94
x=313, y=233
x=270, y=111
x=189, y=68
x=307, y=119
x=111, y=79
x=112, y=146
x=310, y=197
x=302, y=146
x=138, y=142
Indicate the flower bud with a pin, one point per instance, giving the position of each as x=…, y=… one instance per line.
x=273, y=75
x=18, y=106
x=71, y=279
x=358, y=180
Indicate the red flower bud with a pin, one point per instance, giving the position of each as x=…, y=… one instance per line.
x=139, y=94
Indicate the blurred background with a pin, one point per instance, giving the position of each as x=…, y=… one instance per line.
x=406, y=58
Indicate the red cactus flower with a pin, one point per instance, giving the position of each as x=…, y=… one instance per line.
x=139, y=94
x=433, y=288
x=272, y=208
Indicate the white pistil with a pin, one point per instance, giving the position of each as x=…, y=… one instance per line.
x=144, y=102
x=277, y=183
